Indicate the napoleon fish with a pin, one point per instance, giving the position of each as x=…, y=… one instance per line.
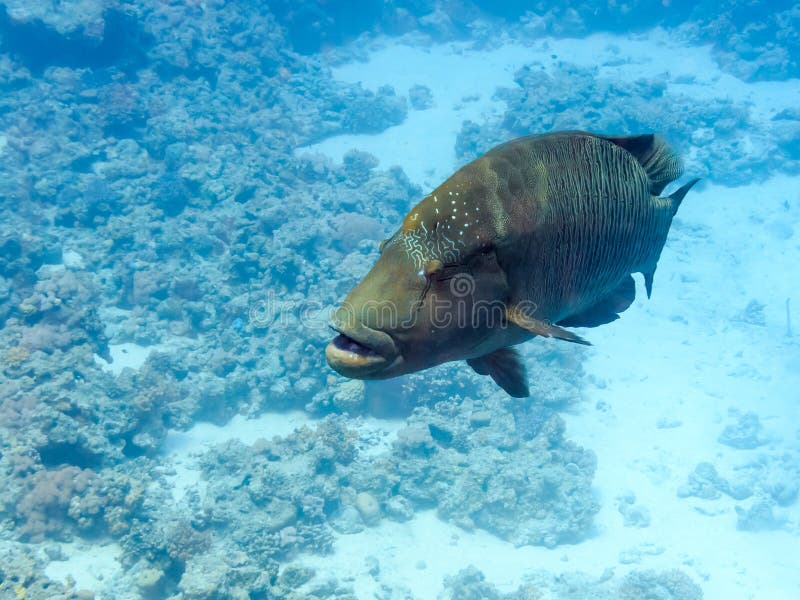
x=539, y=234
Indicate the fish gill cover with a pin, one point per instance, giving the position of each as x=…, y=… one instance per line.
x=173, y=238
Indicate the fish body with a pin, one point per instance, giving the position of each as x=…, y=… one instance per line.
x=538, y=234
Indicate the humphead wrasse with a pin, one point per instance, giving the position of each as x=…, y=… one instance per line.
x=539, y=234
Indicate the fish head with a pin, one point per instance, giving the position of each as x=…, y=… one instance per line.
x=434, y=295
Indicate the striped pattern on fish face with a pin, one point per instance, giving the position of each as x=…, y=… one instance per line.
x=454, y=221
x=585, y=220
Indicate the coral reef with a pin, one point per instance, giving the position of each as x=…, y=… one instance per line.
x=746, y=434
x=473, y=465
x=22, y=576
x=471, y=584
x=762, y=489
x=633, y=514
x=774, y=477
x=595, y=103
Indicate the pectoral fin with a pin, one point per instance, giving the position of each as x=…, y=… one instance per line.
x=505, y=366
x=537, y=327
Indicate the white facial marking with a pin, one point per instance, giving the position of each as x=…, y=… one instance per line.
x=422, y=245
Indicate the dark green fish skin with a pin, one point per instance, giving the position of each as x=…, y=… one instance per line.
x=586, y=212
x=550, y=227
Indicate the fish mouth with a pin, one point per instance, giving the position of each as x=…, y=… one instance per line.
x=361, y=353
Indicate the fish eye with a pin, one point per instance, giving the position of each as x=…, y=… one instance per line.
x=432, y=267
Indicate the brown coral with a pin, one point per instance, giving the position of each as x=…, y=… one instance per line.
x=43, y=506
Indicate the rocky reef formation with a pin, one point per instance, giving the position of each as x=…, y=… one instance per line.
x=666, y=585
x=575, y=97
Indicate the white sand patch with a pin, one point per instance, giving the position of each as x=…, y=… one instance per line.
x=89, y=566
x=131, y=355
x=73, y=260
x=462, y=82
x=182, y=448
x=204, y=435
x=127, y=355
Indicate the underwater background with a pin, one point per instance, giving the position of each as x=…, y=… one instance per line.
x=189, y=187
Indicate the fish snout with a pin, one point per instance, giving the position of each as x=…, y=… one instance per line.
x=360, y=351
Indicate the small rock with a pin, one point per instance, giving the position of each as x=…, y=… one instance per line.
x=55, y=552
x=399, y=508
x=293, y=576
x=480, y=418
x=415, y=439
x=745, y=434
x=634, y=515
x=148, y=579
x=368, y=507
x=668, y=423
x=348, y=521
x=759, y=517
x=349, y=396
x=373, y=566
x=280, y=514
x=420, y=97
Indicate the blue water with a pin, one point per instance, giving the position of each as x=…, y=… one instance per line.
x=188, y=189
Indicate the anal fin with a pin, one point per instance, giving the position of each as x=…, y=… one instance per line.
x=505, y=366
x=607, y=309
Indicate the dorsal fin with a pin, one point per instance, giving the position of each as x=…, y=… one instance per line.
x=657, y=158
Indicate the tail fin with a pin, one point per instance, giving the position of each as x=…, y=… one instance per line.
x=677, y=196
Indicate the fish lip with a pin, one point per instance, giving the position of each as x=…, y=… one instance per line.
x=379, y=351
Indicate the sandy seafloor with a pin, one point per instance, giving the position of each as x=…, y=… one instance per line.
x=660, y=384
